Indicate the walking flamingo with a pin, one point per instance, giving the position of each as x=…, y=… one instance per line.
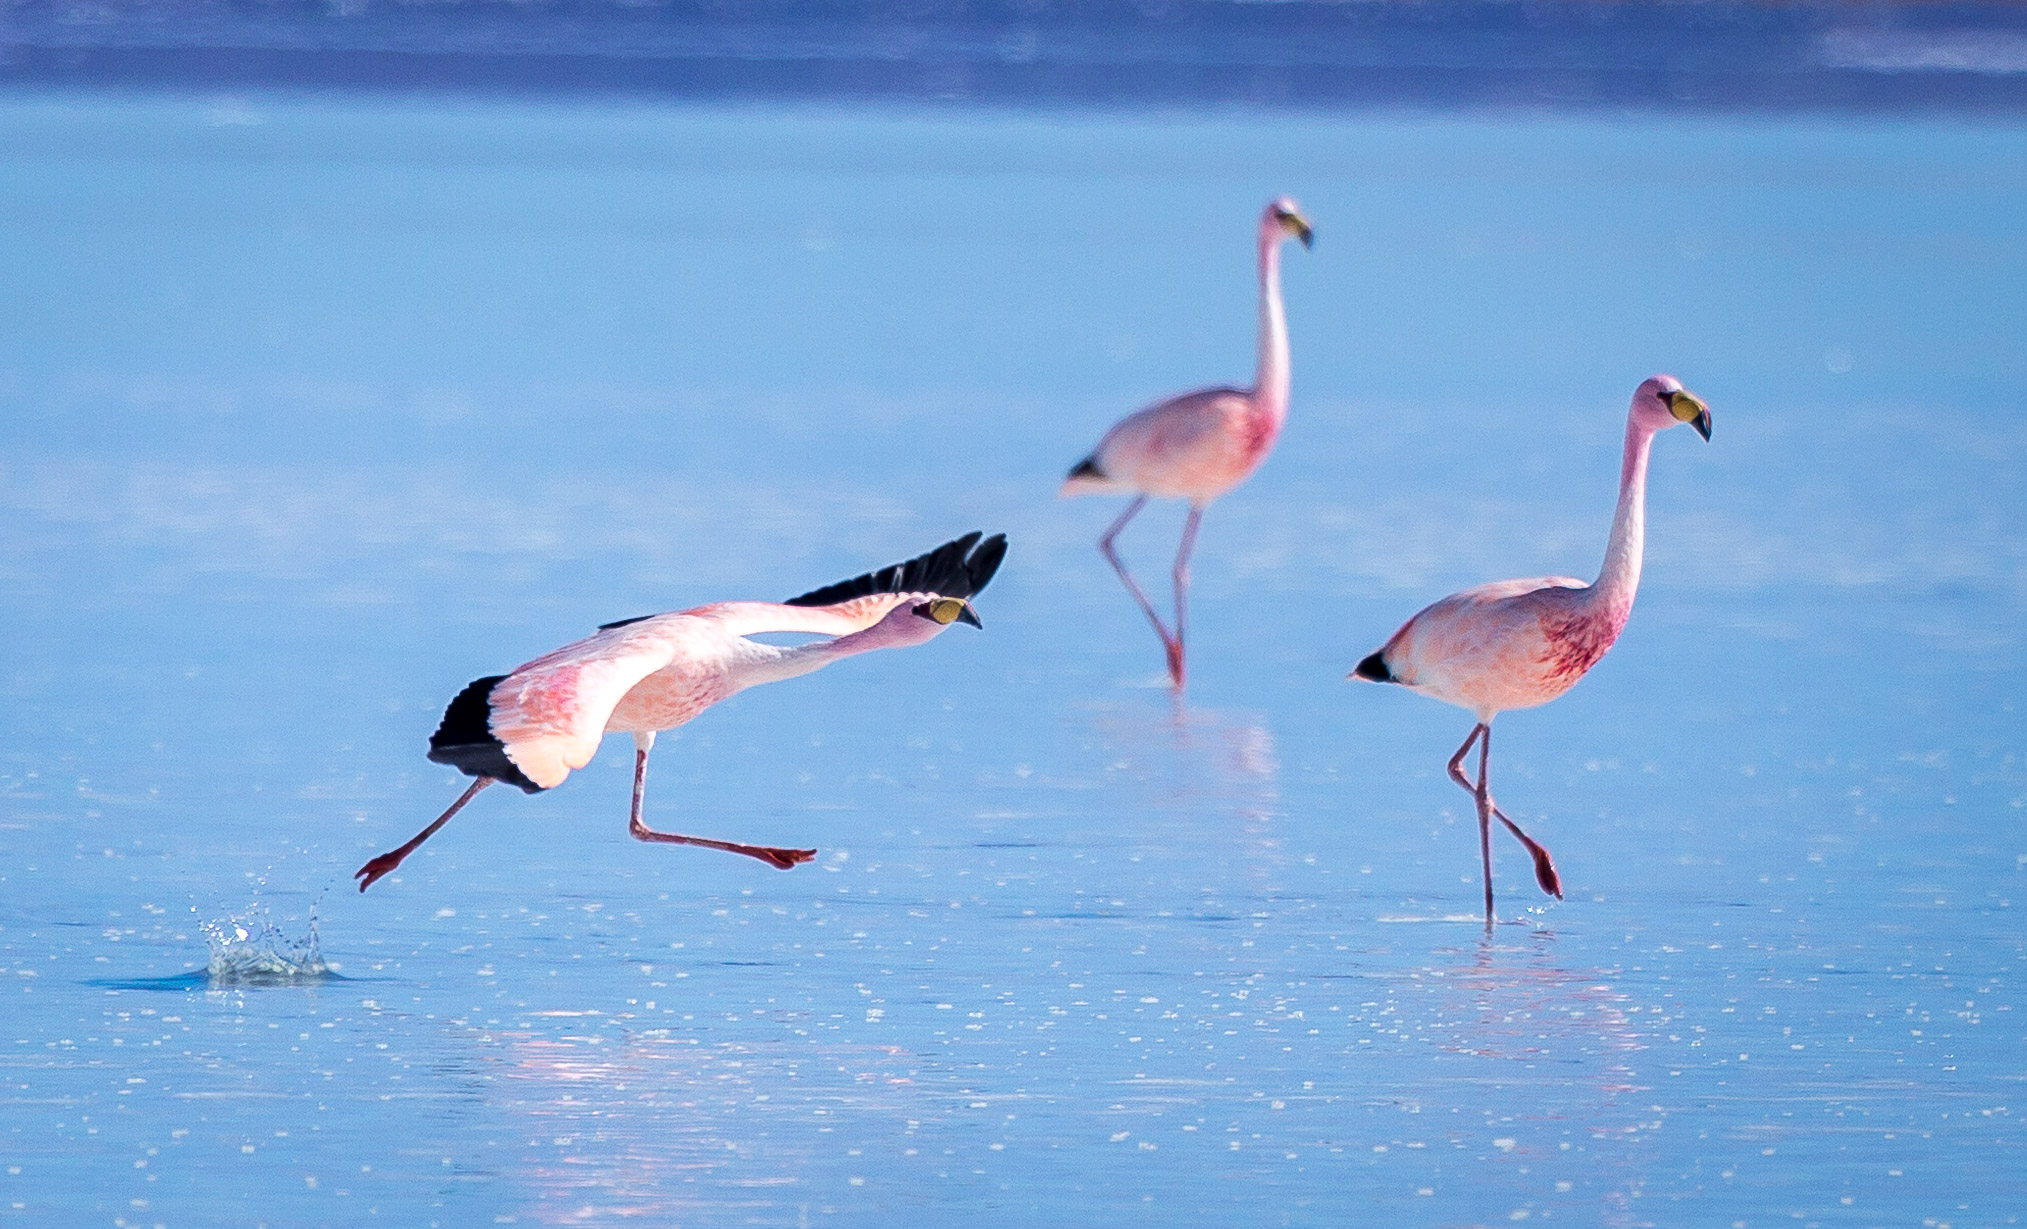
x=1199, y=445
x=1519, y=643
x=653, y=673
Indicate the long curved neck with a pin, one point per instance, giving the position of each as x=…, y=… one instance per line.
x=1270, y=381
x=767, y=663
x=1619, y=577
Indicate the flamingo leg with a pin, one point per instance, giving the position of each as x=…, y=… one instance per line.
x=1173, y=645
x=367, y=874
x=1457, y=760
x=1176, y=667
x=781, y=859
x=1544, y=864
x=1484, y=793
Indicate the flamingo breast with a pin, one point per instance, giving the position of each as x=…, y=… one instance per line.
x=1574, y=643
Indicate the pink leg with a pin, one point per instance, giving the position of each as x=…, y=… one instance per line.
x=1457, y=760
x=1176, y=667
x=1544, y=865
x=1479, y=796
x=367, y=874
x=1105, y=547
x=783, y=859
x=1484, y=792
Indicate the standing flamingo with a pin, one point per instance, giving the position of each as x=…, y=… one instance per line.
x=1199, y=445
x=1519, y=643
x=656, y=672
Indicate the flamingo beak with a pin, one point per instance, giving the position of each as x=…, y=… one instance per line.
x=948, y=610
x=1688, y=407
x=1298, y=226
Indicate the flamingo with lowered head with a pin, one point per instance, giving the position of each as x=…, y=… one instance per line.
x=1199, y=445
x=1519, y=643
x=656, y=672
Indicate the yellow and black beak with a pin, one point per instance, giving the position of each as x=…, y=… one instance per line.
x=948, y=610
x=1298, y=226
x=1688, y=407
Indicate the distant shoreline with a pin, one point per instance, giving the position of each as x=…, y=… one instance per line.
x=1300, y=56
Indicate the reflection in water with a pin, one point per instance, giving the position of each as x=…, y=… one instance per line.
x=1199, y=766
x=1517, y=1006
x=652, y=1125
x=1516, y=1002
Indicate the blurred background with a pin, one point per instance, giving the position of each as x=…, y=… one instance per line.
x=1306, y=56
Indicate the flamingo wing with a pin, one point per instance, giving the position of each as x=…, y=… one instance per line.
x=532, y=727
x=954, y=569
x=959, y=568
x=1461, y=624
x=1182, y=445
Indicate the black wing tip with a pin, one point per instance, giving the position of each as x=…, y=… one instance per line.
x=983, y=565
x=953, y=569
x=1087, y=468
x=1374, y=669
x=465, y=739
x=606, y=627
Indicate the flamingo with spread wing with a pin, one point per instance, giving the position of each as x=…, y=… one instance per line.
x=640, y=676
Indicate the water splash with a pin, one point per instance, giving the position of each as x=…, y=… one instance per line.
x=249, y=949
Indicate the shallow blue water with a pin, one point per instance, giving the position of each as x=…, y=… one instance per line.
x=318, y=409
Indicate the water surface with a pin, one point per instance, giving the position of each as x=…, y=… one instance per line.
x=319, y=408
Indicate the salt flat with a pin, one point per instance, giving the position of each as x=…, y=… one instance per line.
x=320, y=407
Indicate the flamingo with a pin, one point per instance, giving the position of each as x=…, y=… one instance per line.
x=653, y=673
x=1199, y=445
x=1520, y=643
